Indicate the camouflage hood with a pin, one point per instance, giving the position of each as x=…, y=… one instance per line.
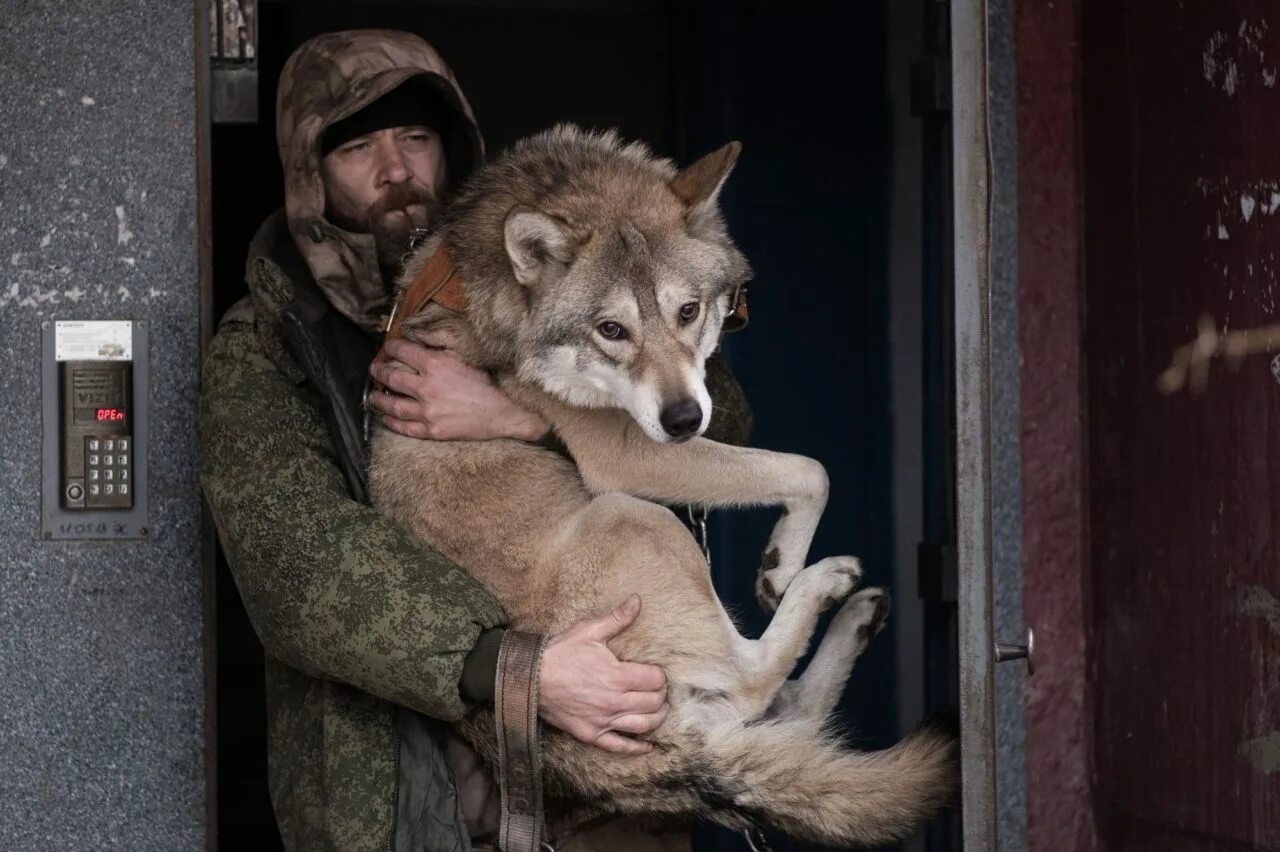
x=325, y=80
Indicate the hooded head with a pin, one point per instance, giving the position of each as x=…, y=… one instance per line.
x=336, y=87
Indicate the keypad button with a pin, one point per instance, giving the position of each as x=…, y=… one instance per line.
x=93, y=473
x=93, y=459
x=107, y=460
x=123, y=445
x=124, y=488
x=93, y=443
x=93, y=489
x=122, y=459
x=124, y=474
x=108, y=474
x=108, y=446
x=108, y=488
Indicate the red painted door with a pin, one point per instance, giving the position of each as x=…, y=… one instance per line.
x=1181, y=123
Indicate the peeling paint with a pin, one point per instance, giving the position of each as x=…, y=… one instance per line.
x=1230, y=58
x=1263, y=752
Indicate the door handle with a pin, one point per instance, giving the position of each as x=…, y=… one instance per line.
x=1006, y=652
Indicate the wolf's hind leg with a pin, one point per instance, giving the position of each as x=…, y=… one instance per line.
x=770, y=659
x=814, y=694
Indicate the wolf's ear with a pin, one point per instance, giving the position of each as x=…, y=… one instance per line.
x=534, y=239
x=698, y=186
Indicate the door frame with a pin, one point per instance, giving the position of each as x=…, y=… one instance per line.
x=971, y=255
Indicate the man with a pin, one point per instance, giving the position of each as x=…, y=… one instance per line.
x=369, y=636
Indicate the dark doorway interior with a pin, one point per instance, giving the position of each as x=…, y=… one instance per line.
x=804, y=87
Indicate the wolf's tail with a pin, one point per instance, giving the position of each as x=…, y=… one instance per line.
x=780, y=774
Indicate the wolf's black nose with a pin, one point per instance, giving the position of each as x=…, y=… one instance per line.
x=681, y=419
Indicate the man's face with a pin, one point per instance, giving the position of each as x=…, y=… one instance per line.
x=386, y=183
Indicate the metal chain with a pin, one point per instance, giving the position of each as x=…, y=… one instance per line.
x=698, y=521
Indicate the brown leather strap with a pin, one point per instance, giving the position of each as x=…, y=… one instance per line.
x=519, y=748
x=739, y=316
x=437, y=282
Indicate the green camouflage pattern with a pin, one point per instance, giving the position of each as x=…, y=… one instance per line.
x=329, y=78
x=353, y=615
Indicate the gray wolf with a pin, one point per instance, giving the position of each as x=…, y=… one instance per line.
x=597, y=278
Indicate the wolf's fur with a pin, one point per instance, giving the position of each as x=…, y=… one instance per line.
x=565, y=231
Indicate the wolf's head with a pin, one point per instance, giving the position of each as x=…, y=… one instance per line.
x=615, y=276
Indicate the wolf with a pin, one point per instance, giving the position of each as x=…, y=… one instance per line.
x=597, y=278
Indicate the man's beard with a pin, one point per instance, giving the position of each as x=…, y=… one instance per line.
x=391, y=220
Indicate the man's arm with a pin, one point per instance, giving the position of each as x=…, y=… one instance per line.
x=441, y=398
x=332, y=587
x=338, y=591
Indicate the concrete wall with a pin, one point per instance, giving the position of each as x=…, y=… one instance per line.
x=101, y=674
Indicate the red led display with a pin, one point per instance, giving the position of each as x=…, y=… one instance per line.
x=110, y=414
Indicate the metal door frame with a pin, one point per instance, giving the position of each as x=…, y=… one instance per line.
x=971, y=169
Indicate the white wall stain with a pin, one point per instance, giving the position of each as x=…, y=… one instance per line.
x=4, y=161
x=129, y=261
x=123, y=234
x=1263, y=752
x=1247, y=205
x=75, y=294
x=87, y=101
x=123, y=293
x=1253, y=601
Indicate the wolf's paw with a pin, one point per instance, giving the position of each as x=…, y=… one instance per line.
x=866, y=613
x=838, y=577
x=773, y=578
x=766, y=595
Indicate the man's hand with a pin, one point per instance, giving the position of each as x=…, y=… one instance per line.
x=588, y=692
x=441, y=398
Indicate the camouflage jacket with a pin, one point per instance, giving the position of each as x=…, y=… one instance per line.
x=365, y=631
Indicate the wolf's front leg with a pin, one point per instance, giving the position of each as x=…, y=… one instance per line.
x=613, y=454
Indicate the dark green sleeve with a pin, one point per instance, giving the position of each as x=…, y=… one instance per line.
x=731, y=419
x=332, y=587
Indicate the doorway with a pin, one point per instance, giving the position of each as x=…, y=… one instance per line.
x=826, y=204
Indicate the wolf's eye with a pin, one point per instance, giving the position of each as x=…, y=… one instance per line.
x=611, y=330
x=688, y=312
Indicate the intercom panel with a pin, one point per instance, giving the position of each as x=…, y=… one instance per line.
x=95, y=377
